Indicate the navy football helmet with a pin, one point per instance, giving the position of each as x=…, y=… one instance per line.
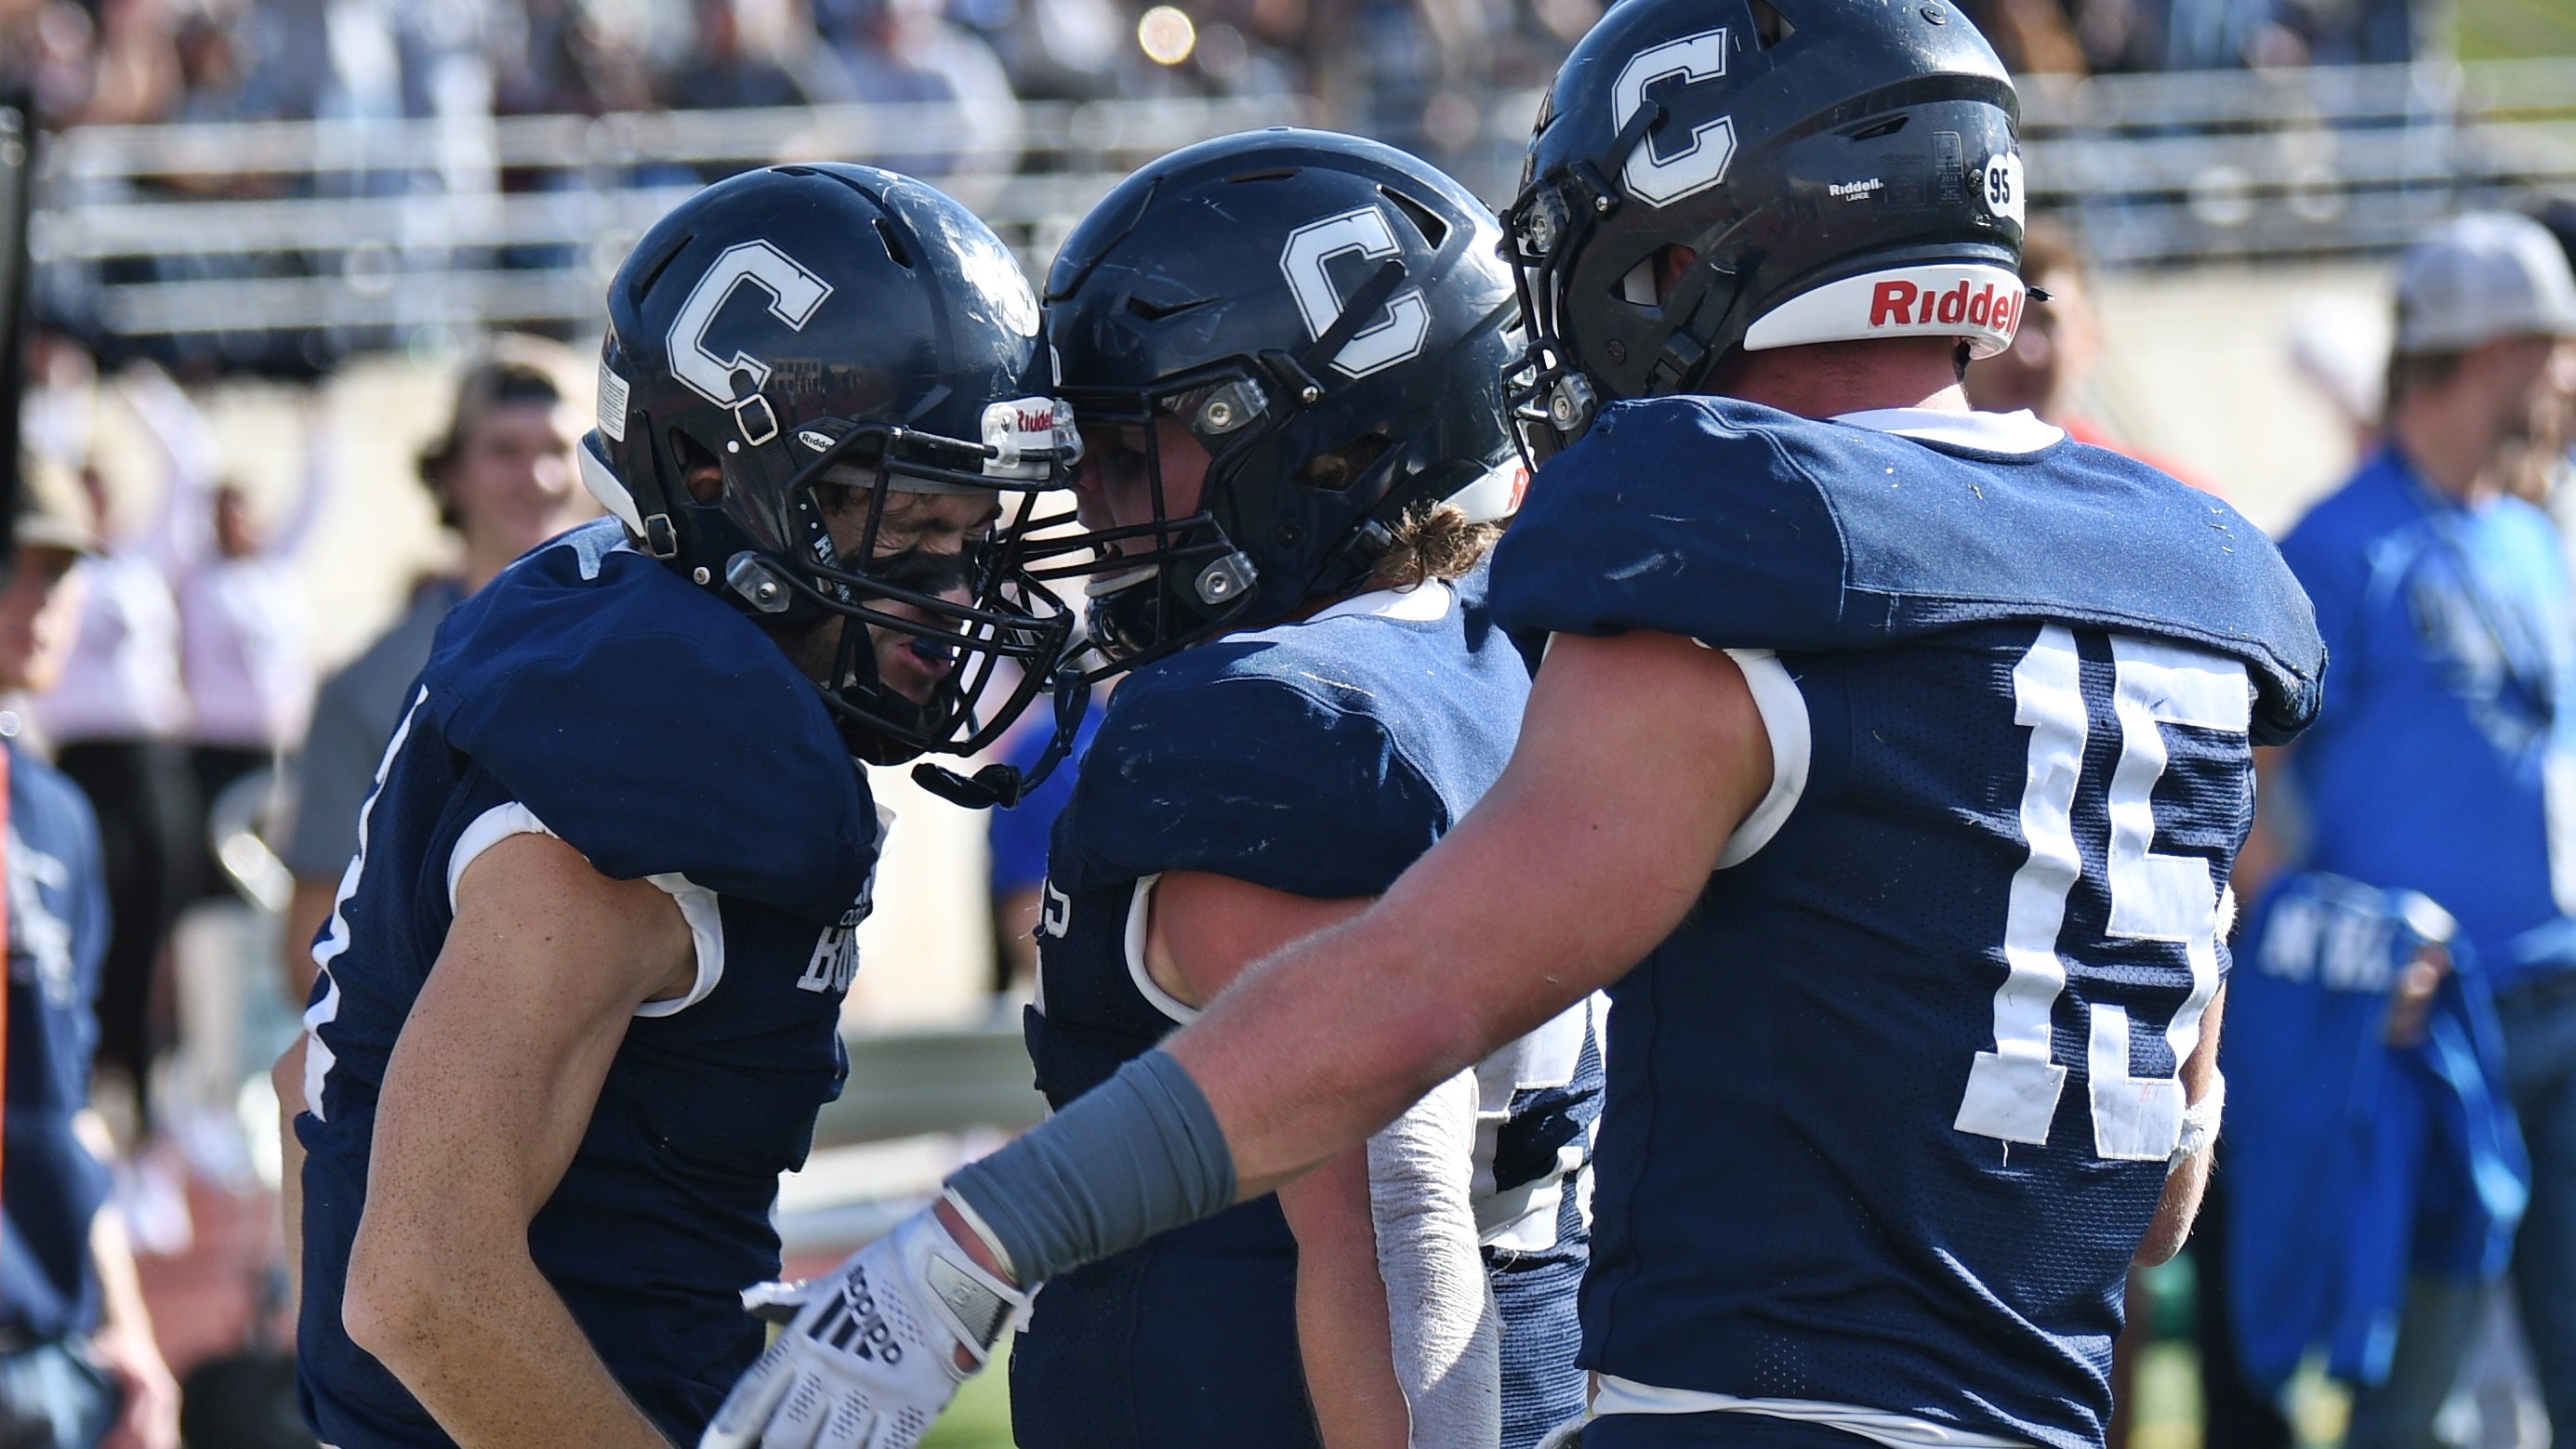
x=1836, y=170
x=1331, y=319
x=830, y=327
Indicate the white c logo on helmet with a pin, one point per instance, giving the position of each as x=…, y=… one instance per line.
x=1702, y=165
x=794, y=293
x=1408, y=319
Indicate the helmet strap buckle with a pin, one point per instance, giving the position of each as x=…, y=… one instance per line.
x=661, y=539
x=1685, y=354
x=757, y=420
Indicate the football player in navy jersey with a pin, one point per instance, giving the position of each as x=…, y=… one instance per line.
x=579, y=998
x=1294, y=496
x=1888, y=764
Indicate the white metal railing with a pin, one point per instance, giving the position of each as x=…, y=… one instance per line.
x=370, y=230
x=2271, y=164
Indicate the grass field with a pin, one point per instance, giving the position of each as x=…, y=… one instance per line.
x=2515, y=29
x=981, y=1417
x=2165, y=1413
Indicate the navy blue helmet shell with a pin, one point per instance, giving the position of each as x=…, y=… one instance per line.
x=1713, y=175
x=1330, y=318
x=835, y=326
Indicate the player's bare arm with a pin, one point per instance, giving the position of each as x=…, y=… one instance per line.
x=1202, y=932
x=490, y=1089
x=2188, y=1178
x=1637, y=758
x=1343, y=1333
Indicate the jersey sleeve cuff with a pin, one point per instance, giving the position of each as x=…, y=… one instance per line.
x=1784, y=719
x=698, y=906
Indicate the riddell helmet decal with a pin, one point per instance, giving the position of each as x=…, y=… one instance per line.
x=1980, y=303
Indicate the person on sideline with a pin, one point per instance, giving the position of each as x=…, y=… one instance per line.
x=79, y=1368
x=2447, y=762
x=502, y=473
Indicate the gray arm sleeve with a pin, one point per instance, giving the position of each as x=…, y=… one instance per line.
x=331, y=778
x=1137, y=1155
x=1446, y=1330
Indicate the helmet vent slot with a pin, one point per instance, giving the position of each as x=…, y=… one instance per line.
x=1163, y=296
x=700, y=473
x=1770, y=27
x=1275, y=173
x=653, y=273
x=1888, y=127
x=1425, y=220
x=894, y=245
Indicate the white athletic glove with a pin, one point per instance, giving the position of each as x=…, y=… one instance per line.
x=871, y=1357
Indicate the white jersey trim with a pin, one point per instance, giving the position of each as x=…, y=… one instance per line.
x=1426, y=603
x=1615, y=1395
x=1140, y=916
x=698, y=906
x=2018, y=432
x=318, y=1059
x=1784, y=718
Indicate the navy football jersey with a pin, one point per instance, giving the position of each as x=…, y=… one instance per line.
x=589, y=693
x=1889, y=1112
x=58, y=925
x=1320, y=759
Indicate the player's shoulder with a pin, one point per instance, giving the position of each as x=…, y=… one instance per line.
x=651, y=726
x=1746, y=527
x=1318, y=757
x=1288, y=693
x=616, y=631
x=1403, y=666
x=585, y=587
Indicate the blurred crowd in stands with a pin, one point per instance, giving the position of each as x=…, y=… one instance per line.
x=111, y=62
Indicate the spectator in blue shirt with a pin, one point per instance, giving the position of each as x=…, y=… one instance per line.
x=78, y=1363
x=2445, y=761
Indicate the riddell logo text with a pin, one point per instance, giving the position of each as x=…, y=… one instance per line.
x=1030, y=422
x=1901, y=304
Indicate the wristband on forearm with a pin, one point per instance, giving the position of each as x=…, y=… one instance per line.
x=2200, y=1122
x=1138, y=1155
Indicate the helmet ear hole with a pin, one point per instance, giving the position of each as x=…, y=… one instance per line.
x=1336, y=471
x=700, y=472
x=1637, y=288
x=1651, y=280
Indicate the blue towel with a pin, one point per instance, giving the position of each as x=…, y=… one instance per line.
x=2352, y=1163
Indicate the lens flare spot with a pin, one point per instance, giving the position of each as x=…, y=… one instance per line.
x=1167, y=35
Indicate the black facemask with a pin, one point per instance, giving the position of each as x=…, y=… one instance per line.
x=919, y=572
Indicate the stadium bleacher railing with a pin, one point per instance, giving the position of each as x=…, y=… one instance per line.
x=370, y=232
